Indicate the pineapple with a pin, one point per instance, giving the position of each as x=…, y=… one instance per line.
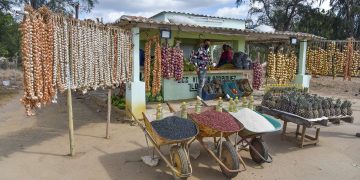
x=315, y=110
x=271, y=104
x=292, y=107
x=308, y=111
x=278, y=104
x=337, y=107
x=285, y=103
x=320, y=109
x=331, y=105
x=300, y=108
x=343, y=108
x=349, y=110
x=326, y=107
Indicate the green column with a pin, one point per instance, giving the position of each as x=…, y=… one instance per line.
x=135, y=90
x=239, y=44
x=302, y=57
x=301, y=78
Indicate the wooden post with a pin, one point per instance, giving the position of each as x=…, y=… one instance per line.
x=71, y=123
x=108, y=114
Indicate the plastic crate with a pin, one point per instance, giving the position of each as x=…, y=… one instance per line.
x=206, y=96
x=227, y=89
x=209, y=95
x=245, y=87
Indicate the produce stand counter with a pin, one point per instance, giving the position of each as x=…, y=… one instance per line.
x=305, y=139
x=187, y=87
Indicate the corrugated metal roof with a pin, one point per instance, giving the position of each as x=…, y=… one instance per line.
x=125, y=20
x=194, y=14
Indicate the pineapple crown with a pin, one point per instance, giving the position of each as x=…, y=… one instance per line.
x=338, y=102
x=346, y=104
x=331, y=103
x=349, y=104
x=325, y=103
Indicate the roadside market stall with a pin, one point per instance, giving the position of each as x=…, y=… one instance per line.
x=191, y=35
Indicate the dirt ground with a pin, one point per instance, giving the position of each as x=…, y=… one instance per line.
x=36, y=147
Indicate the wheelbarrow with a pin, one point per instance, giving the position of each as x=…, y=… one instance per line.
x=255, y=125
x=179, y=161
x=226, y=155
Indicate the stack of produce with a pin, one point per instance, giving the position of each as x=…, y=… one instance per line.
x=333, y=58
x=220, y=121
x=306, y=105
x=155, y=86
x=271, y=65
x=257, y=75
x=172, y=61
x=175, y=128
x=61, y=53
x=177, y=58
x=281, y=66
x=166, y=62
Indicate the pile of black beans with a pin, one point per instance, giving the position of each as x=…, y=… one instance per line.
x=175, y=128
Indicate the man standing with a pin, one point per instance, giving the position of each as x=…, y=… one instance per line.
x=201, y=59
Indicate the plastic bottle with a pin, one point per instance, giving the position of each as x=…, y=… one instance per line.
x=198, y=106
x=159, y=112
x=236, y=103
x=183, y=110
x=244, y=103
x=219, y=105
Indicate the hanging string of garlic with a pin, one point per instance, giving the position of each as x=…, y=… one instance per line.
x=62, y=53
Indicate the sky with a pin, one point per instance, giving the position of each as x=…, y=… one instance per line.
x=111, y=10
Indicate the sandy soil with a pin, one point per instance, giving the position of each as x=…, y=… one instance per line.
x=36, y=147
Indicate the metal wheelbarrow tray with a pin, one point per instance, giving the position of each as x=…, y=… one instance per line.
x=179, y=162
x=226, y=156
x=255, y=125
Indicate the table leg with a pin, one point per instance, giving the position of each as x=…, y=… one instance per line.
x=317, y=135
x=302, y=136
x=284, y=130
x=297, y=131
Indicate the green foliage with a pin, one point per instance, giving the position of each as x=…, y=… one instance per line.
x=118, y=102
x=63, y=6
x=5, y=5
x=340, y=22
x=9, y=36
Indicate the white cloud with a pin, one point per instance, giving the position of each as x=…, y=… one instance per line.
x=233, y=12
x=325, y=5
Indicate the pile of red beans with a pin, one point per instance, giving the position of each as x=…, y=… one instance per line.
x=221, y=121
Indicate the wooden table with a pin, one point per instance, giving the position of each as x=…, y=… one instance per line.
x=302, y=123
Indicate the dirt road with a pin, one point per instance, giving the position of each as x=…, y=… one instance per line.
x=36, y=147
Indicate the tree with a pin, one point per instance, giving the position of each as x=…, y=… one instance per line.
x=320, y=22
x=60, y=6
x=9, y=35
x=281, y=14
x=5, y=5
x=349, y=11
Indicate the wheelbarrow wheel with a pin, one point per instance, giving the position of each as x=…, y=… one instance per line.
x=229, y=158
x=259, y=146
x=180, y=161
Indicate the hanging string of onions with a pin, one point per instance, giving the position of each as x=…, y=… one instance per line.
x=281, y=66
x=172, y=61
x=178, y=61
x=333, y=58
x=62, y=53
